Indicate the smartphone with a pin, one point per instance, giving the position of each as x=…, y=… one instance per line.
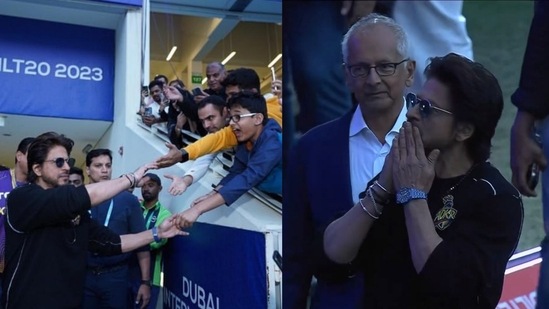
x=533, y=173
x=146, y=89
x=197, y=91
x=148, y=112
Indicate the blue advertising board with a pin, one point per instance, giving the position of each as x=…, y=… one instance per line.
x=56, y=70
x=215, y=267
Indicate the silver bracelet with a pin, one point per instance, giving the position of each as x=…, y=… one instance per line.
x=382, y=188
x=134, y=182
x=371, y=195
x=366, y=210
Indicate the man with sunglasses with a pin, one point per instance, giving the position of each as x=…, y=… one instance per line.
x=332, y=163
x=49, y=230
x=257, y=161
x=437, y=228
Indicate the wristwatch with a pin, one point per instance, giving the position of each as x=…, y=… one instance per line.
x=146, y=282
x=405, y=195
x=184, y=156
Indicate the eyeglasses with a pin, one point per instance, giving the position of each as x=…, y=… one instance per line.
x=60, y=162
x=424, y=105
x=383, y=69
x=236, y=118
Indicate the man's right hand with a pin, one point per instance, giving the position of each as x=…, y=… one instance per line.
x=524, y=151
x=173, y=156
x=148, y=120
x=172, y=94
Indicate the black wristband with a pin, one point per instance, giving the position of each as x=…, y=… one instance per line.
x=184, y=156
x=146, y=282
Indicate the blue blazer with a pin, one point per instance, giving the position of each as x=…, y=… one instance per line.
x=317, y=190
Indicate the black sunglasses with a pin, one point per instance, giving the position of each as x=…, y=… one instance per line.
x=60, y=162
x=425, y=107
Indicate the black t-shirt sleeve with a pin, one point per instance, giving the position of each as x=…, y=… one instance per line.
x=103, y=241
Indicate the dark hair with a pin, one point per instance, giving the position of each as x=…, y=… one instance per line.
x=245, y=78
x=214, y=100
x=96, y=153
x=160, y=76
x=24, y=145
x=38, y=150
x=252, y=101
x=76, y=170
x=476, y=98
x=154, y=178
x=156, y=83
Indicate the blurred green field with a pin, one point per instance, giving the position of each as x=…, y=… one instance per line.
x=499, y=30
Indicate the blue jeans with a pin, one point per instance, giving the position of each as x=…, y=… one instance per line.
x=106, y=290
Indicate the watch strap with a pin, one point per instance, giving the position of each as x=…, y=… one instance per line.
x=146, y=282
x=154, y=231
x=405, y=195
x=184, y=156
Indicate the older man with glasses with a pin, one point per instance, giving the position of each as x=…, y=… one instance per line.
x=332, y=164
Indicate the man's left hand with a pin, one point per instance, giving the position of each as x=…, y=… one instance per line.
x=411, y=168
x=143, y=295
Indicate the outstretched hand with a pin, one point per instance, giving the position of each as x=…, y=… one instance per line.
x=178, y=185
x=187, y=218
x=172, y=157
x=171, y=93
x=411, y=167
x=170, y=228
x=141, y=171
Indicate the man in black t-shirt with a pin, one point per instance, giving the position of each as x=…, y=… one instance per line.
x=49, y=230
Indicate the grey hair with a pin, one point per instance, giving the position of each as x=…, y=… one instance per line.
x=216, y=64
x=374, y=19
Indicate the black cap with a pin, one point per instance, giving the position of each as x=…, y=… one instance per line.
x=154, y=178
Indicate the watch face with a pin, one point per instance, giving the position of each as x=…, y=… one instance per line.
x=403, y=196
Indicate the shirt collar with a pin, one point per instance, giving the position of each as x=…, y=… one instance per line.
x=358, y=124
x=156, y=205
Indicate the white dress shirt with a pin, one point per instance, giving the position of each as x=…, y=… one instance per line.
x=366, y=153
